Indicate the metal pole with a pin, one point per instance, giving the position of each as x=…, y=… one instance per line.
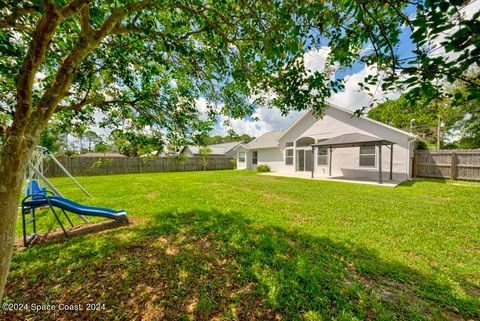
x=391, y=162
x=330, y=162
x=50, y=185
x=313, y=160
x=69, y=175
x=380, y=163
x=44, y=179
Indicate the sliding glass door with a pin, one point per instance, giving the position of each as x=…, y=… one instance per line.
x=304, y=160
x=300, y=160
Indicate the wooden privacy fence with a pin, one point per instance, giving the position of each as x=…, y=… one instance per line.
x=90, y=166
x=454, y=164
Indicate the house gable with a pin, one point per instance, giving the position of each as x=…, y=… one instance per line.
x=337, y=121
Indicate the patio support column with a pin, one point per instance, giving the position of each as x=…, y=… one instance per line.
x=380, y=163
x=391, y=162
x=330, y=161
x=313, y=160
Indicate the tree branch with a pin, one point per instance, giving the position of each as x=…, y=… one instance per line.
x=117, y=15
x=94, y=102
x=43, y=34
x=73, y=7
x=445, y=73
x=177, y=39
x=401, y=14
x=10, y=21
x=48, y=5
x=384, y=34
x=85, y=22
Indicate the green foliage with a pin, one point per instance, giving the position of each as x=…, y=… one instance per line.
x=180, y=159
x=69, y=153
x=263, y=168
x=135, y=143
x=102, y=162
x=400, y=112
x=468, y=126
x=456, y=115
x=101, y=147
x=92, y=137
x=217, y=139
x=50, y=139
x=233, y=161
x=205, y=152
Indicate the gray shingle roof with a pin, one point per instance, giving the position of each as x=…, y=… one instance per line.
x=111, y=155
x=217, y=149
x=267, y=140
x=351, y=139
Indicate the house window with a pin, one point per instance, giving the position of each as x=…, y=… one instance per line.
x=289, y=144
x=322, y=156
x=367, y=156
x=241, y=157
x=289, y=156
x=254, y=157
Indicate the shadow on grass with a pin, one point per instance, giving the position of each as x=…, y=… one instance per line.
x=417, y=180
x=209, y=265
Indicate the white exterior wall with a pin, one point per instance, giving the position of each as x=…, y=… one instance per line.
x=244, y=165
x=345, y=161
x=272, y=157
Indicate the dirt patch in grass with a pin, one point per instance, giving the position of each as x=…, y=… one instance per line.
x=57, y=235
x=269, y=196
x=299, y=218
x=153, y=195
x=474, y=291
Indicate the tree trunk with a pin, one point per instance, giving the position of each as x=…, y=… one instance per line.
x=439, y=133
x=23, y=135
x=66, y=143
x=13, y=164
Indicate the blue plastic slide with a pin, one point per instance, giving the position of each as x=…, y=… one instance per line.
x=73, y=207
x=39, y=197
x=80, y=209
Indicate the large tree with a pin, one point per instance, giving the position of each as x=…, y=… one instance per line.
x=148, y=62
x=430, y=120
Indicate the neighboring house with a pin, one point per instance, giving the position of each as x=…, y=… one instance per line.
x=225, y=149
x=109, y=155
x=340, y=144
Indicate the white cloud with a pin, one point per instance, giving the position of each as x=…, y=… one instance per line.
x=438, y=49
x=316, y=59
x=268, y=120
x=353, y=97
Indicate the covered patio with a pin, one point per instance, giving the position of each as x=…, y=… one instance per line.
x=355, y=140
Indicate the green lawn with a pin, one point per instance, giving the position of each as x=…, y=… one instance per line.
x=234, y=245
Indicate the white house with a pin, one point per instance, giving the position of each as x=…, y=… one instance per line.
x=224, y=149
x=340, y=144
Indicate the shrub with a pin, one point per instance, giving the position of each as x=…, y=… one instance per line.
x=263, y=169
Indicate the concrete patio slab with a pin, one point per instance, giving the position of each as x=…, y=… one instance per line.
x=353, y=180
